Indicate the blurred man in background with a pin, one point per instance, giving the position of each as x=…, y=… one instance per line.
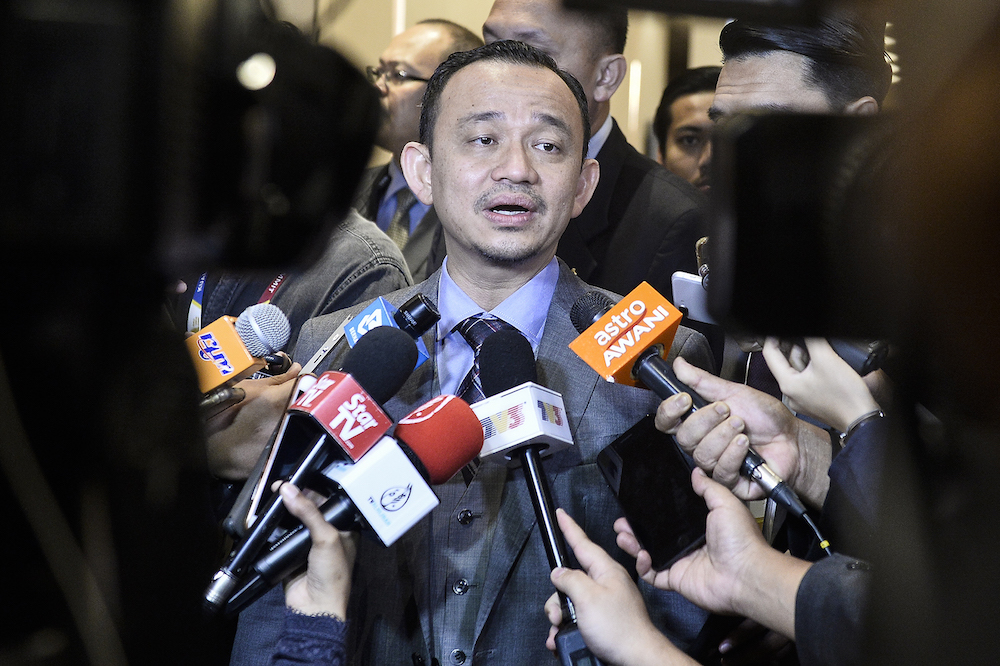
x=682, y=127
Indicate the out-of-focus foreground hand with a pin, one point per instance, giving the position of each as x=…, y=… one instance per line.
x=237, y=436
x=324, y=588
x=827, y=389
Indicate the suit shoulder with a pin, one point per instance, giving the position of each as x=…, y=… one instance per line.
x=661, y=182
x=693, y=347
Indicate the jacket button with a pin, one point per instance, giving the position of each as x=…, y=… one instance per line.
x=461, y=586
x=465, y=517
x=457, y=657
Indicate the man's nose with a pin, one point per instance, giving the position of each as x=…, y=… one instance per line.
x=515, y=164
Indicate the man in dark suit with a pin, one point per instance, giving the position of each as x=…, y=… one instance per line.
x=643, y=221
x=401, y=76
x=503, y=138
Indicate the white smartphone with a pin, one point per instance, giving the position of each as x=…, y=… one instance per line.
x=690, y=297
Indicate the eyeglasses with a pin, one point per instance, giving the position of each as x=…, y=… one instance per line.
x=393, y=76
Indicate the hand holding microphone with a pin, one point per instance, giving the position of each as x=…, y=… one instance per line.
x=628, y=342
x=522, y=421
x=387, y=490
x=337, y=418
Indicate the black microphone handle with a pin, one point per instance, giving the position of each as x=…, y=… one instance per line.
x=570, y=646
x=657, y=375
x=290, y=552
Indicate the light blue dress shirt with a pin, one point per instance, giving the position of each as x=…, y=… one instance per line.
x=525, y=310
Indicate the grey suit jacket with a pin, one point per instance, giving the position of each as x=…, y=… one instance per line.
x=424, y=250
x=390, y=615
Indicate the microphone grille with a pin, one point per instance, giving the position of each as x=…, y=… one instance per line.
x=381, y=361
x=506, y=361
x=588, y=309
x=264, y=329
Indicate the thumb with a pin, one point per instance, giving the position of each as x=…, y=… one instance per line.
x=573, y=583
x=705, y=384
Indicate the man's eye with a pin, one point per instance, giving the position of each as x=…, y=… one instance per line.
x=689, y=141
x=484, y=140
x=547, y=147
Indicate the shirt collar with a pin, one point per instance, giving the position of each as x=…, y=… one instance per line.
x=598, y=138
x=525, y=309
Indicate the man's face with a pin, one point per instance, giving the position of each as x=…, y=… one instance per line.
x=417, y=51
x=688, y=146
x=505, y=167
x=546, y=26
x=772, y=82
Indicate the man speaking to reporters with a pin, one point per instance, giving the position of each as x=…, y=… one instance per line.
x=501, y=158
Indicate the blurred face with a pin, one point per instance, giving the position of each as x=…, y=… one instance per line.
x=417, y=52
x=546, y=26
x=772, y=82
x=504, y=172
x=688, y=146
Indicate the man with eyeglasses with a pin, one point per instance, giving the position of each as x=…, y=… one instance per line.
x=383, y=196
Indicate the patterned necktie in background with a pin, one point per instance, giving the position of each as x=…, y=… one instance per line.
x=475, y=329
x=399, y=226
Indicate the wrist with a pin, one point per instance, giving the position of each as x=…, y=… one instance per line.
x=859, y=422
x=857, y=411
x=812, y=481
x=769, y=592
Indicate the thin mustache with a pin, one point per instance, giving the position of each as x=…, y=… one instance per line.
x=483, y=201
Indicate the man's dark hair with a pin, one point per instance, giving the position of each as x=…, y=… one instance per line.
x=847, y=57
x=610, y=27
x=511, y=52
x=700, y=79
x=462, y=39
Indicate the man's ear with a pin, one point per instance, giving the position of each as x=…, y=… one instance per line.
x=611, y=70
x=590, y=174
x=866, y=106
x=415, y=161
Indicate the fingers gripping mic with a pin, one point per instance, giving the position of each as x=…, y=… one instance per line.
x=341, y=408
x=628, y=342
x=386, y=490
x=221, y=360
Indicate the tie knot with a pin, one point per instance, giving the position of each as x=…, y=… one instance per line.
x=477, y=328
x=405, y=199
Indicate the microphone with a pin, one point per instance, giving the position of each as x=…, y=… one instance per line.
x=415, y=317
x=520, y=420
x=627, y=343
x=388, y=490
x=341, y=408
x=228, y=349
x=518, y=412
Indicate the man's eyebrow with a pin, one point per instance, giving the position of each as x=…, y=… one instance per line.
x=554, y=121
x=540, y=117
x=480, y=117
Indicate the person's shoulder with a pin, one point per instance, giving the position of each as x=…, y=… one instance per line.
x=662, y=181
x=364, y=235
x=693, y=347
